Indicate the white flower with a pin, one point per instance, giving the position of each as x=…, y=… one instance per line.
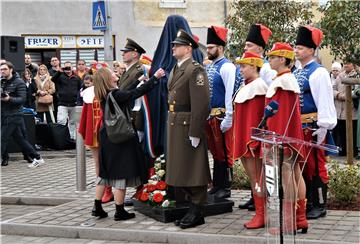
x=154, y=178
x=161, y=192
x=152, y=182
x=161, y=173
x=165, y=204
x=157, y=166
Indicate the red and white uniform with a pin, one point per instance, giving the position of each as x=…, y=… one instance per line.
x=287, y=121
x=90, y=118
x=249, y=103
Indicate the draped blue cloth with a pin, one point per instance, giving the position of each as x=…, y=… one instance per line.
x=163, y=58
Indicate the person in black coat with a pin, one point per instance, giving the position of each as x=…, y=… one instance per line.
x=121, y=164
x=31, y=89
x=13, y=96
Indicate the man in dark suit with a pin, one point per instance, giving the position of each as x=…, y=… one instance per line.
x=187, y=166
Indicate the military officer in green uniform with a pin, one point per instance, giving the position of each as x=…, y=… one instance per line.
x=187, y=166
x=134, y=70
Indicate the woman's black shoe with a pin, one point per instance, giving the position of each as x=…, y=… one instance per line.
x=122, y=214
x=4, y=162
x=98, y=211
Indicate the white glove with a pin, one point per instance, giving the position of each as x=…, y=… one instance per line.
x=321, y=134
x=226, y=124
x=140, y=135
x=194, y=141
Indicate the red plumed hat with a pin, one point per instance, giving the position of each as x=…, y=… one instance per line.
x=309, y=36
x=217, y=35
x=259, y=34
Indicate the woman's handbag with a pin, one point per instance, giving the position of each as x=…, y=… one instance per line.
x=47, y=99
x=118, y=124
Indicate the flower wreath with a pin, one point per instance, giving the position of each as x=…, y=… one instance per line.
x=154, y=192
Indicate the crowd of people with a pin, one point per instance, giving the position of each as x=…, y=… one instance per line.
x=211, y=106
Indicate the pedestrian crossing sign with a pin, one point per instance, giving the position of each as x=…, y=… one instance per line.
x=99, y=16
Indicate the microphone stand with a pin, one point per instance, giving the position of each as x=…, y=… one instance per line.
x=281, y=193
x=281, y=189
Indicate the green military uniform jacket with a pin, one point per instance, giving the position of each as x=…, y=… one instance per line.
x=128, y=79
x=189, y=99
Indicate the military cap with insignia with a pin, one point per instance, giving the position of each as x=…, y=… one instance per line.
x=184, y=38
x=131, y=45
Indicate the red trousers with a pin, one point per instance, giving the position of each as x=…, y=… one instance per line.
x=309, y=169
x=215, y=141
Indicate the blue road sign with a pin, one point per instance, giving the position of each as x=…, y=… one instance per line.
x=99, y=16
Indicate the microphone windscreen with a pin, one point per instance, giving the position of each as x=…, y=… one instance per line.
x=271, y=109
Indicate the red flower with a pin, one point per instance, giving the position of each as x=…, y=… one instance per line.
x=161, y=185
x=144, y=196
x=158, y=197
x=151, y=188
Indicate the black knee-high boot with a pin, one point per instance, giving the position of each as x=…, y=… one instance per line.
x=216, y=178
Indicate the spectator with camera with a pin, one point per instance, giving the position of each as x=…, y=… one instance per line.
x=13, y=96
x=67, y=85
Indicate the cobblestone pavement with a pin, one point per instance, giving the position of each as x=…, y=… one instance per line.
x=56, y=181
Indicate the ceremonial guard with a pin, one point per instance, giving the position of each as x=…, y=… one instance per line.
x=221, y=75
x=287, y=122
x=248, y=110
x=256, y=41
x=318, y=116
x=187, y=165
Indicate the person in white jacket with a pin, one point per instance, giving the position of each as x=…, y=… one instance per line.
x=318, y=116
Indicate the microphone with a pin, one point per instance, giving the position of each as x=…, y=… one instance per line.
x=270, y=110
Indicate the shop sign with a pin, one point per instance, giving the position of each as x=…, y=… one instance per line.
x=90, y=42
x=68, y=41
x=42, y=41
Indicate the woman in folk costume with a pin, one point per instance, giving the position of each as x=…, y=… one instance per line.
x=249, y=104
x=287, y=122
x=91, y=118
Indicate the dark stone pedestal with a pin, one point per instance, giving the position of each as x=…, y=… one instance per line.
x=214, y=206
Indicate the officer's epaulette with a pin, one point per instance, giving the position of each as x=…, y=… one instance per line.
x=195, y=63
x=138, y=67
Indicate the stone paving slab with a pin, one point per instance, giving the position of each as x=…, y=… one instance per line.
x=14, y=239
x=56, y=179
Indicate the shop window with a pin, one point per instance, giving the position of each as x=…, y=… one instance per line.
x=100, y=55
x=88, y=55
x=68, y=55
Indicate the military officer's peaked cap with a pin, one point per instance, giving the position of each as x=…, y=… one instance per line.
x=184, y=38
x=131, y=45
